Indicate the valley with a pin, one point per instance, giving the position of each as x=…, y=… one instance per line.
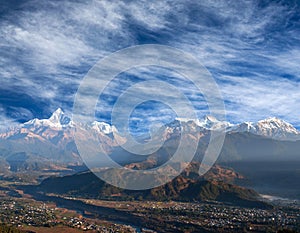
x=38, y=212
x=44, y=179
x=81, y=202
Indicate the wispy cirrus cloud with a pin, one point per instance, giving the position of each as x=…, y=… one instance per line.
x=250, y=47
x=258, y=100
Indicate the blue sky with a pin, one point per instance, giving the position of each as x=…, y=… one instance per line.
x=252, y=49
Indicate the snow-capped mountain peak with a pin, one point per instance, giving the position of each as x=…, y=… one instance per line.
x=212, y=123
x=271, y=127
x=102, y=127
x=276, y=127
x=59, y=118
x=275, y=122
x=59, y=121
x=208, y=122
x=210, y=118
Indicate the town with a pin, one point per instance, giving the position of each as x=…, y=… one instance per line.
x=175, y=216
x=20, y=213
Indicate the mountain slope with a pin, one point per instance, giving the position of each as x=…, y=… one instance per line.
x=50, y=141
x=182, y=188
x=245, y=146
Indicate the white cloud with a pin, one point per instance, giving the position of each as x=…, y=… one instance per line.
x=253, y=100
x=6, y=121
x=52, y=46
x=288, y=62
x=151, y=14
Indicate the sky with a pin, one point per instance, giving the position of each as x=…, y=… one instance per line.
x=251, y=48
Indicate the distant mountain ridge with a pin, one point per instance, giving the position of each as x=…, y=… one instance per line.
x=271, y=127
x=47, y=141
x=51, y=140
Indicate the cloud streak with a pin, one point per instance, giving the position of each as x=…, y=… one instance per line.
x=250, y=47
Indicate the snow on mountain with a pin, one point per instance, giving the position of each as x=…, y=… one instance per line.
x=102, y=127
x=60, y=121
x=208, y=123
x=270, y=127
x=276, y=126
x=59, y=125
x=211, y=123
x=57, y=128
x=244, y=127
x=59, y=118
x=52, y=138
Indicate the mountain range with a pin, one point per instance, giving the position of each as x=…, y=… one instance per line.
x=41, y=146
x=271, y=127
x=51, y=140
